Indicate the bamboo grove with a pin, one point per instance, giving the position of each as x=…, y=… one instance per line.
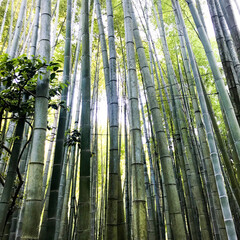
x=119, y=119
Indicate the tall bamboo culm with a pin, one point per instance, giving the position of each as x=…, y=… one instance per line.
x=139, y=226
x=227, y=107
x=166, y=161
x=33, y=203
x=230, y=228
x=83, y=221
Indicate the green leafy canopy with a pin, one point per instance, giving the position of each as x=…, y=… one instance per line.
x=18, y=79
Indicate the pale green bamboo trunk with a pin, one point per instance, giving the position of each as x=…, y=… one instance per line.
x=11, y=174
x=228, y=67
x=189, y=159
x=230, y=228
x=223, y=148
x=127, y=202
x=4, y=19
x=201, y=133
x=139, y=226
x=232, y=23
x=112, y=99
x=152, y=228
x=18, y=28
x=9, y=134
x=227, y=107
x=150, y=207
x=229, y=41
x=54, y=202
x=200, y=12
x=24, y=161
x=72, y=211
x=114, y=164
x=83, y=219
x=33, y=202
x=54, y=29
x=23, y=166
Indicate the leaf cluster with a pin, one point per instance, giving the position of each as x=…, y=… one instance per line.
x=18, y=79
x=73, y=138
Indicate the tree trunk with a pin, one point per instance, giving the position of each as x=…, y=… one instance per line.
x=230, y=228
x=33, y=204
x=83, y=221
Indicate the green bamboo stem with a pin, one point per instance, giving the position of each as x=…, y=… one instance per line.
x=11, y=175
x=25, y=157
x=149, y=191
x=114, y=162
x=10, y=27
x=4, y=19
x=189, y=159
x=24, y=37
x=226, y=103
x=150, y=207
x=18, y=28
x=166, y=161
x=112, y=99
x=231, y=20
x=230, y=228
x=71, y=178
x=122, y=233
x=83, y=221
x=70, y=229
x=53, y=39
x=222, y=147
x=23, y=164
x=201, y=133
x=139, y=226
x=54, y=202
x=126, y=193
x=231, y=75
x=34, y=185
x=229, y=41
x=9, y=134
x=94, y=141
x=200, y=12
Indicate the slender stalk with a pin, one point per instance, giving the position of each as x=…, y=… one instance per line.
x=4, y=19
x=212, y=193
x=112, y=99
x=83, y=222
x=18, y=28
x=94, y=170
x=227, y=107
x=230, y=228
x=138, y=195
x=11, y=26
x=222, y=147
x=231, y=19
x=114, y=162
x=54, y=204
x=33, y=202
x=231, y=75
x=200, y=12
x=5, y=210
x=229, y=41
x=9, y=134
x=54, y=33
x=150, y=202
